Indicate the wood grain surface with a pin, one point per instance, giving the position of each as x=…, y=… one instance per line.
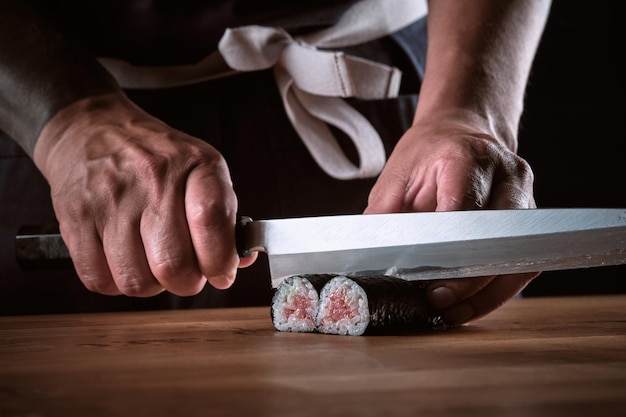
x=533, y=357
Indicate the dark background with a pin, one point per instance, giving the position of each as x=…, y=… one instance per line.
x=573, y=132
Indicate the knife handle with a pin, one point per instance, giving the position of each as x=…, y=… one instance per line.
x=42, y=247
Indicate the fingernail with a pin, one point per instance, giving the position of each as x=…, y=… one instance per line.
x=459, y=314
x=222, y=282
x=441, y=298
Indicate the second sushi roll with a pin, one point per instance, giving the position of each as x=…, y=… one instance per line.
x=374, y=305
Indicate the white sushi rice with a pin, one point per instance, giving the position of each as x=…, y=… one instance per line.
x=343, y=308
x=295, y=305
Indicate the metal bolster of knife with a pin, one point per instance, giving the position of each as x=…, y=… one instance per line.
x=249, y=236
x=243, y=223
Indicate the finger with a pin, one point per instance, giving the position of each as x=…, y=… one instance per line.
x=395, y=193
x=506, y=197
x=510, y=196
x=247, y=261
x=516, y=193
x=126, y=257
x=445, y=293
x=513, y=184
x=425, y=195
x=168, y=247
x=211, y=206
x=88, y=258
x=387, y=195
x=463, y=187
x=499, y=290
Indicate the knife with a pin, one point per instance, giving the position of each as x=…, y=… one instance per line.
x=413, y=246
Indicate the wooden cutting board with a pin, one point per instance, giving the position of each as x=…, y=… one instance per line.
x=537, y=356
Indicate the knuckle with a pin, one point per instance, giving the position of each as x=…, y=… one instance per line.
x=95, y=282
x=525, y=172
x=133, y=288
x=208, y=213
x=166, y=267
x=94, y=276
x=133, y=281
x=520, y=169
x=176, y=274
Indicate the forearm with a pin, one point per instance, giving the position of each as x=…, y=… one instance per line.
x=42, y=71
x=479, y=58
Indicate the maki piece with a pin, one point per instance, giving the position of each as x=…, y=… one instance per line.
x=374, y=305
x=295, y=302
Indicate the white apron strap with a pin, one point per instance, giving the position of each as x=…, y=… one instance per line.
x=311, y=81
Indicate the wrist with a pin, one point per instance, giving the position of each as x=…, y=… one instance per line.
x=476, y=121
x=73, y=121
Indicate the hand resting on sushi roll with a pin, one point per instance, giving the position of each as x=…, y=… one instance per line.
x=455, y=168
x=460, y=152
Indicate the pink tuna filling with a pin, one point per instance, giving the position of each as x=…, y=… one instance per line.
x=338, y=308
x=298, y=309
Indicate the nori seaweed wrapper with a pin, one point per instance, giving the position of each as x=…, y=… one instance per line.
x=397, y=305
x=318, y=280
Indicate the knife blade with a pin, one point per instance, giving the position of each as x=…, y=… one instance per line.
x=419, y=246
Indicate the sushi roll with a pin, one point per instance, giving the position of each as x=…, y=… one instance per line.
x=295, y=302
x=374, y=305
